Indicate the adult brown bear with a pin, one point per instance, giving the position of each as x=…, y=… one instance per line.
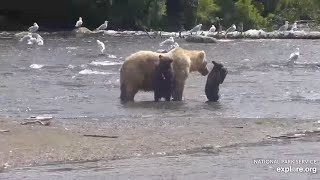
x=137, y=71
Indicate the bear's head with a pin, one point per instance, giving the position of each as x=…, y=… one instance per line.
x=165, y=67
x=202, y=63
x=218, y=73
x=165, y=63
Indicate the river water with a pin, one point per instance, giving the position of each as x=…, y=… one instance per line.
x=68, y=79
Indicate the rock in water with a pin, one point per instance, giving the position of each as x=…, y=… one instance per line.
x=82, y=30
x=201, y=39
x=21, y=34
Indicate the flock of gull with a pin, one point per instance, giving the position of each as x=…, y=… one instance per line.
x=292, y=58
x=33, y=38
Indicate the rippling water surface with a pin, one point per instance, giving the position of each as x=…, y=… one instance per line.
x=68, y=79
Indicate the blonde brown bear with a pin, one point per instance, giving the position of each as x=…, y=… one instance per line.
x=138, y=69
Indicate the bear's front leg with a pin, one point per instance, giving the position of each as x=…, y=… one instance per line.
x=156, y=96
x=168, y=97
x=178, y=91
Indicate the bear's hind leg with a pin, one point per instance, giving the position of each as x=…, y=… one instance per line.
x=168, y=97
x=131, y=92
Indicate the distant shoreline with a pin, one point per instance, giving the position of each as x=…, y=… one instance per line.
x=252, y=34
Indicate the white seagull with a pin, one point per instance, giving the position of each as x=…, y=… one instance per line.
x=27, y=36
x=231, y=29
x=294, y=56
x=173, y=46
x=101, y=46
x=33, y=28
x=103, y=26
x=169, y=41
x=284, y=27
x=37, y=36
x=196, y=29
x=79, y=22
x=212, y=29
x=39, y=41
x=294, y=27
x=32, y=40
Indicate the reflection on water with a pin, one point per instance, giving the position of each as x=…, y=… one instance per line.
x=259, y=83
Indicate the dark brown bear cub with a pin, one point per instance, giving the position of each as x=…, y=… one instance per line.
x=163, y=79
x=215, y=78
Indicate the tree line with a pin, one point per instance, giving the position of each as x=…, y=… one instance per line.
x=169, y=15
x=184, y=14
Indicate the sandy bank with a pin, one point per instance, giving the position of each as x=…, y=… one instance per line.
x=36, y=144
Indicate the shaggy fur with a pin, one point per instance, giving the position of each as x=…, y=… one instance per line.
x=163, y=79
x=215, y=78
x=138, y=70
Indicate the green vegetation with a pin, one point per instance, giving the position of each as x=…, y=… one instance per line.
x=164, y=14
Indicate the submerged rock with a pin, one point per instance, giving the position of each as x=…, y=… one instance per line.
x=201, y=39
x=85, y=31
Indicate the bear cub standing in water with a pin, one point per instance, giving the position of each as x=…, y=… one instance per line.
x=164, y=79
x=215, y=78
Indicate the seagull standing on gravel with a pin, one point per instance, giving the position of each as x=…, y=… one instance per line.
x=294, y=27
x=103, y=26
x=284, y=27
x=169, y=41
x=231, y=29
x=101, y=46
x=212, y=29
x=294, y=56
x=33, y=28
x=196, y=29
x=79, y=22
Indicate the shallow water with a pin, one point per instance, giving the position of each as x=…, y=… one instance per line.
x=68, y=79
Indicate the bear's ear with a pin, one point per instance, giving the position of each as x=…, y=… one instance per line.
x=213, y=62
x=201, y=55
x=160, y=56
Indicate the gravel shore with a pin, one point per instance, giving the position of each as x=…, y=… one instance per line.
x=25, y=145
